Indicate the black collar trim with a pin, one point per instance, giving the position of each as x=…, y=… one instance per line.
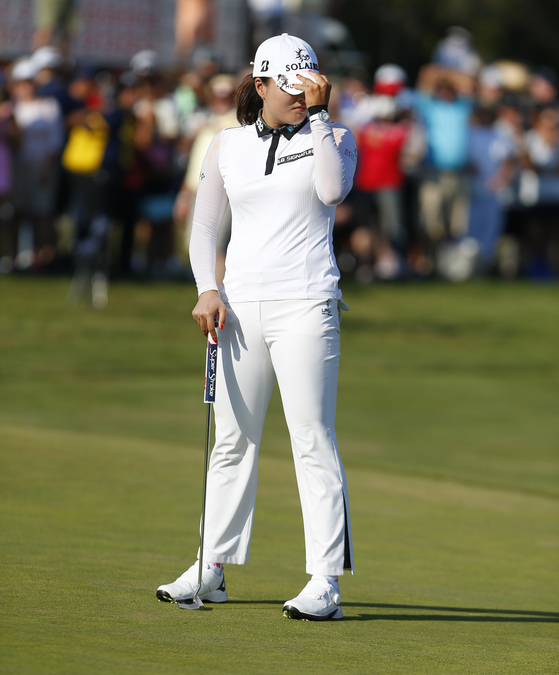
x=262, y=129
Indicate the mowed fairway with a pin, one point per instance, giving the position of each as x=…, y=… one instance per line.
x=448, y=424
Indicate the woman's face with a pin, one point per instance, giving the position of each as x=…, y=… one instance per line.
x=280, y=107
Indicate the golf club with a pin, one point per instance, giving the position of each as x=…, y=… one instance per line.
x=209, y=397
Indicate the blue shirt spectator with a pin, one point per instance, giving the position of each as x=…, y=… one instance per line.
x=491, y=156
x=488, y=150
x=446, y=122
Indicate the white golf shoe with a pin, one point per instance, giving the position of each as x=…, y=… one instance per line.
x=213, y=586
x=318, y=601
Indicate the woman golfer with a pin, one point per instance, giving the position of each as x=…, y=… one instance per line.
x=283, y=172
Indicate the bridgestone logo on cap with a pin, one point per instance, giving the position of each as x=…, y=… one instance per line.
x=264, y=67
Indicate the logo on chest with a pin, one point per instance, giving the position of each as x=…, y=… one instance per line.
x=293, y=158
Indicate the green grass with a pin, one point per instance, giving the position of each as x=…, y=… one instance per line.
x=448, y=423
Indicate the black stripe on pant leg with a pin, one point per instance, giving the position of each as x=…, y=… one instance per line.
x=347, y=547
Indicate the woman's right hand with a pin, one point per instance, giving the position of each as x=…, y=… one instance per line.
x=209, y=306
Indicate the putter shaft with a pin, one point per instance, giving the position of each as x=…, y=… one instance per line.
x=203, y=518
x=209, y=398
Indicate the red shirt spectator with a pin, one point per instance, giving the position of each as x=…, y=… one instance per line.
x=380, y=146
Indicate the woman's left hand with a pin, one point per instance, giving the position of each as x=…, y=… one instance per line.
x=316, y=93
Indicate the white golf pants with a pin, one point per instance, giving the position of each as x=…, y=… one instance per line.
x=297, y=342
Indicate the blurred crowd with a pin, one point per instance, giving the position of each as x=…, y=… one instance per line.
x=457, y=176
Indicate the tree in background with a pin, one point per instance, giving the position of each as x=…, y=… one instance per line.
x=406, y=31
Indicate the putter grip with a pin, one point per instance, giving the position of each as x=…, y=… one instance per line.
x=211, y=370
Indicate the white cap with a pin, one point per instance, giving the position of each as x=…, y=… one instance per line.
x=390, y=74
x=281, y=58
x=144, y=63
x=47, y=57
x=24, y=69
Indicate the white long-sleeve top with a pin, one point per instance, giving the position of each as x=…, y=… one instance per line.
x=281, y=233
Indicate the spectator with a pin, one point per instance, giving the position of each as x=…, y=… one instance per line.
x=380, y=179
x=489, y=86
x=189, y=98
x=157, y=133
x=543, y=86
x=221, y=90
x=48, y=62
x=132, y=171
x=510, y=121
x=444, y=101
x=491, y=162
x=456, y=52
x=352, y=91
x=539, y=188
x=542, y=147
x=8, y=143
x=92, y=158
x=388, y=83
x=39, y=121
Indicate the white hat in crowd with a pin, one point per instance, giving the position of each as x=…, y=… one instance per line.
x=24, y=69
x=282, y=58
x=389, y=80
x=47, y=57
x=145, y=62
x=391, y=74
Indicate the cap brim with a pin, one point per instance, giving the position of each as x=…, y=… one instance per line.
x=286, y=81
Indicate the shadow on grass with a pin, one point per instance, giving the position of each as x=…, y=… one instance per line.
x=456, y=613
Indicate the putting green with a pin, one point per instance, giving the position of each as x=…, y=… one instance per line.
x=448, y=425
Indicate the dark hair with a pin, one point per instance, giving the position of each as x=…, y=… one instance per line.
x=247, y=100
